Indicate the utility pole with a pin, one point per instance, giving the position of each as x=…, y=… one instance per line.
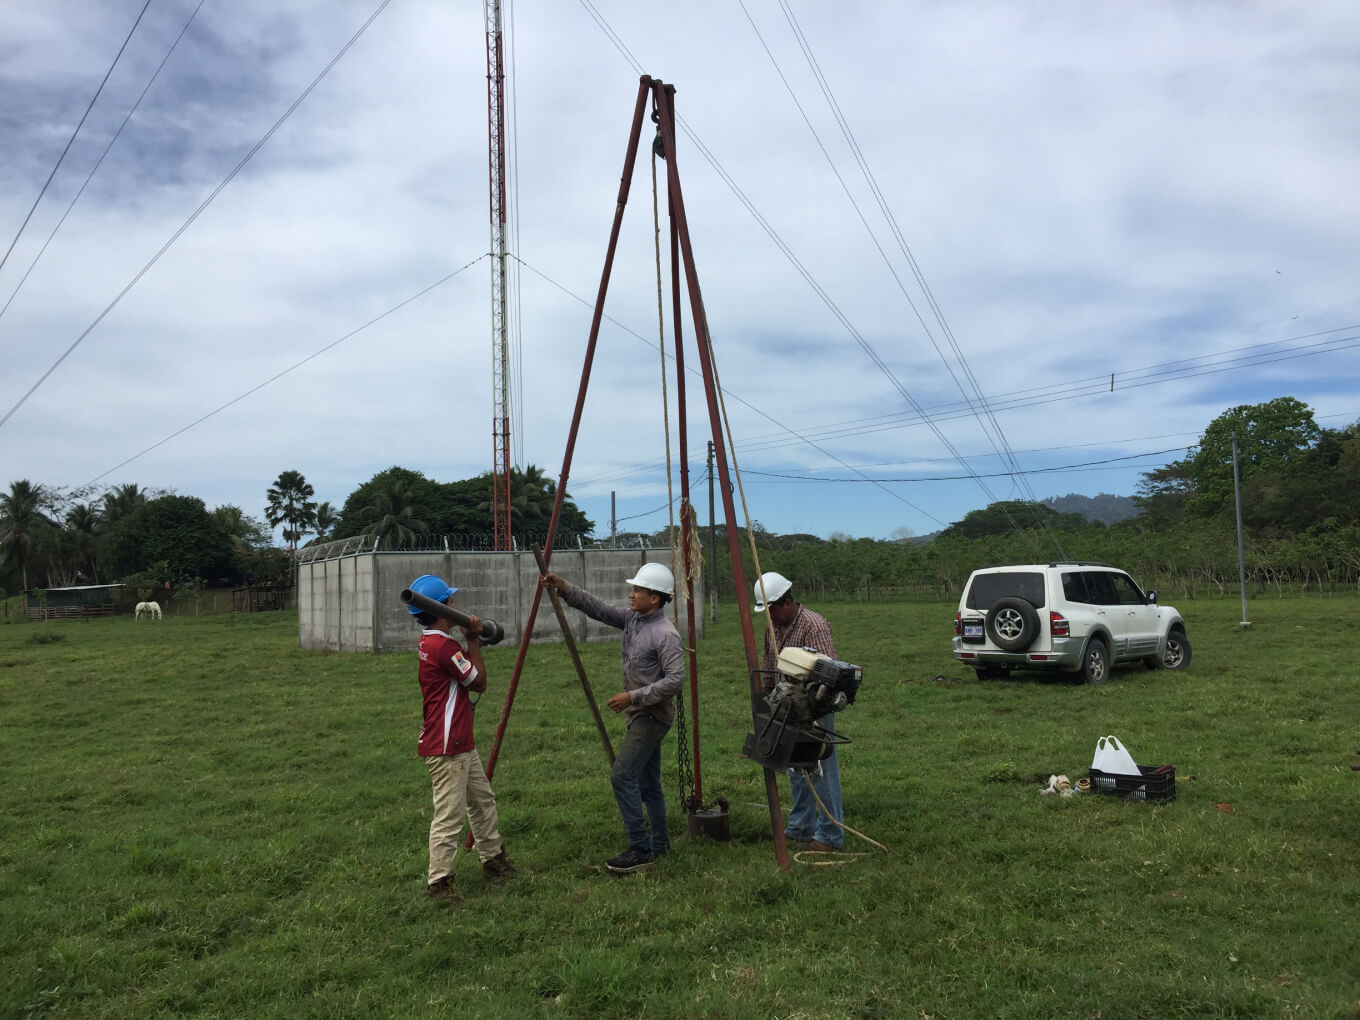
x=712, y=547
x=613, y=520
x=500, y=356
x=1241, y=559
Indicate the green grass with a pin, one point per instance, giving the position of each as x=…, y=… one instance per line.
x=200, y=818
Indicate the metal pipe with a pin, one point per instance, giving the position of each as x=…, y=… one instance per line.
x=491, y=633
x=1241, y=558
x=575, y=657
x=686, y=509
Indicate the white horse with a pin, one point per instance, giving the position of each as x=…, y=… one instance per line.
x=151, y=609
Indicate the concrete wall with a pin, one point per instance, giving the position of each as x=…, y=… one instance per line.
x=352, y=603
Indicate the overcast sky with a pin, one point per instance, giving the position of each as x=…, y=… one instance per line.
x=1150, y=190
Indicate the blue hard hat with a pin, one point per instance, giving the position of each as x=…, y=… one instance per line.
x=432, y=588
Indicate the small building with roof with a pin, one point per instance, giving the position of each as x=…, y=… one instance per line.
x=77, y=603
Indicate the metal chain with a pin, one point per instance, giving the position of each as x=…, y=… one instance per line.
x=688, y=799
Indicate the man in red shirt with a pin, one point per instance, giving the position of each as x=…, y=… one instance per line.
x=449, y=676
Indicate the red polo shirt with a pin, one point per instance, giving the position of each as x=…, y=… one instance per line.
x=445, y=672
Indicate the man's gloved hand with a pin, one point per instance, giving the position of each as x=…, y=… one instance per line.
x=553, y=582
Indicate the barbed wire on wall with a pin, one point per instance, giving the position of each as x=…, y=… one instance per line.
x=463, y=542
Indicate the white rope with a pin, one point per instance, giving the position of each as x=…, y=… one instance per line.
x=838, y=856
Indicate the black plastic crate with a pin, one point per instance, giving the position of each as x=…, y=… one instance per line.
x=1157, y=784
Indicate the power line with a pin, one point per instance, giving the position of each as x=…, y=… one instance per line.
x=793, y=260
x=774, y=421
x=279, y=375
x=1054, y=393
x=100, y=162
x=197, y=212
x=998, y=440
x=1127, y=377
x=959, y=478
x=70, y=141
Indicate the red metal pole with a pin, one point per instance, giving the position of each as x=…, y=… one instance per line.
x=629, y=161
x=666, y=97
x=685, y=529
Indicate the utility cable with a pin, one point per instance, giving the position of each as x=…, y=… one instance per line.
x=99, y=162
x=1130, y=377
x=1345, y=343
x=297, y=364
x=197, y=212
x=996, y=435
x=70, y=141
x=959, y=478
x=745, y=403
x=788, y=253
x=517, y=331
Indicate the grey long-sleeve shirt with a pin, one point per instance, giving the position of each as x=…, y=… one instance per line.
x=653, y=655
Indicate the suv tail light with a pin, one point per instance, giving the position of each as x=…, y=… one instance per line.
x=1058, y=625
x=958, y=623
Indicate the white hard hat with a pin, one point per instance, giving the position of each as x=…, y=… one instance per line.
x=776, y=587
x=655, y=577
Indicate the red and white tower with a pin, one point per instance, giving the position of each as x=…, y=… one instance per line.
x=500, y=354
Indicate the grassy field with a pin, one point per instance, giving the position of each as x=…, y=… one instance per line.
x=200, y=818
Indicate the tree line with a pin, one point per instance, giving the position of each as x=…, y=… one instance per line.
x=1300, y=495
x=1300, y=498
x=150, y=539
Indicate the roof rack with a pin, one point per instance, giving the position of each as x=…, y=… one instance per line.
x=1080, y=563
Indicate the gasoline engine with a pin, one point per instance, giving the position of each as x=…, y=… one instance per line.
x=805, y=686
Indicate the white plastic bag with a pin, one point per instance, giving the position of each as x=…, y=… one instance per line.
x=1112, y=756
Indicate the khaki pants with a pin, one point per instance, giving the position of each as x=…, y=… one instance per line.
x=460, y=787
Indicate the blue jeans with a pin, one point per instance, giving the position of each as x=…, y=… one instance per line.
x=636, y=778
x=806, y=820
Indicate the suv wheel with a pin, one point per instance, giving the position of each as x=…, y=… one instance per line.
x=1012, y=624
x=1177, y=654
x=1095, y=663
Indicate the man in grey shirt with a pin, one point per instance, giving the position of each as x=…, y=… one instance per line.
x=653, y=674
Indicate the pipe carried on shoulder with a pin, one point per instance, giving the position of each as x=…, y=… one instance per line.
x=491, y=633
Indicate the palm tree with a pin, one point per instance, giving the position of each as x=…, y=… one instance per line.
x=120, y=502
x=23, y=525
x=84, y=527
x=392, y=512
x=326, y=518
x=290, y=505
x=531, y=499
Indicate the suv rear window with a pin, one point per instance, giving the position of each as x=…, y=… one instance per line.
x=987, y=588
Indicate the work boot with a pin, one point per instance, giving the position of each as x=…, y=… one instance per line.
x=442, y=889
x=825, y=848
x=498, y=867
x=632, y=859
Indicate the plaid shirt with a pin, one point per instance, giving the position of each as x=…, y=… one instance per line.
x=808, y=630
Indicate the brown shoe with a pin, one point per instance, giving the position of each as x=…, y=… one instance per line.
x=498, y=867
x=442, y=889
x=825, y=848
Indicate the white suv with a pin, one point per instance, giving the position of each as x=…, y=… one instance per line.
x=1079, y=617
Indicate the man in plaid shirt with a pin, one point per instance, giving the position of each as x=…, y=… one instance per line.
x=796, y=626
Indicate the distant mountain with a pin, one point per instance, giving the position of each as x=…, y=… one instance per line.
x=1104, y=507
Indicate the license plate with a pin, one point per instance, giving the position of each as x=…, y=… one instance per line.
x=972, y=630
